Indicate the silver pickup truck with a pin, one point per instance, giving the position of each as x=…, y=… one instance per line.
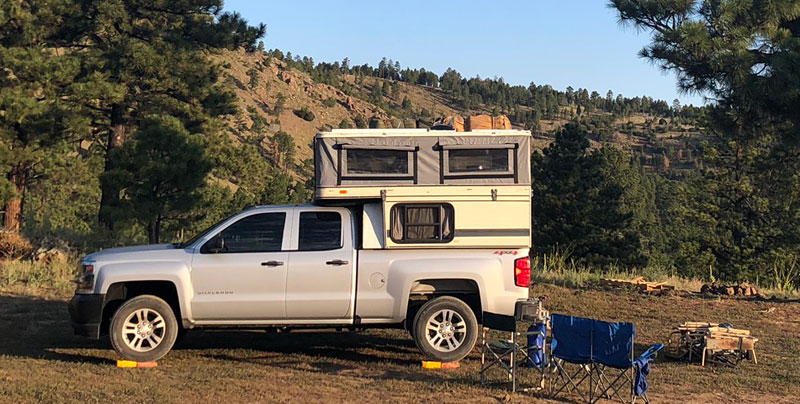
x=296, y=266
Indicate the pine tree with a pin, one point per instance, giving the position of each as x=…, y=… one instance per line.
x=345, y=67
x=744, y=56
x=159, y=171
x=36, y=95
x=286, y=148
x=579, y=202
x=377, y=92
x=406, y=105
x=139, y=59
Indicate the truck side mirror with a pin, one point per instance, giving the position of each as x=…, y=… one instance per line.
x=214, y=246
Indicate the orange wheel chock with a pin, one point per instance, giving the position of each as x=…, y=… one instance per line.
x=134, y=364
x=440, y=365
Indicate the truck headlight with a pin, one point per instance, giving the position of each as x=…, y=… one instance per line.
x=85, y=277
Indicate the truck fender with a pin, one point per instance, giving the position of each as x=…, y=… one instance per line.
x=170, y=271
x=403, y=274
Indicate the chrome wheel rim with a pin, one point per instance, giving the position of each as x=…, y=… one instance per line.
x=446, y=330
x=143, y=330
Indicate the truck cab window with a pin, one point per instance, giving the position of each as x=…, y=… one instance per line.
x=252, y=234
x=320, y=231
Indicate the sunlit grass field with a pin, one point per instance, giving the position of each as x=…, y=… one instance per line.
x=41, y=361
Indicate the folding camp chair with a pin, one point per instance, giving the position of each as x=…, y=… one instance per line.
x=511, y=354
x=594, y=359
x=522, y=349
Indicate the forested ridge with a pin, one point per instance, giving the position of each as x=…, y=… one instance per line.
x=126, y=122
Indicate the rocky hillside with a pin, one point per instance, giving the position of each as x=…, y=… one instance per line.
x=277, y=98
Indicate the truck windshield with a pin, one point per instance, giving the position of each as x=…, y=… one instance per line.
x=199, y=235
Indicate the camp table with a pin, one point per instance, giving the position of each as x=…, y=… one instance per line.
x=710, y=341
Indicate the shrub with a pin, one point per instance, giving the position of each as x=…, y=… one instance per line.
x=13, y=246
x=304, y=113
x=360, y=122
x=260, y=124
x=280, y=101
x=252, y=74
x=56, y=274
x=329, y=102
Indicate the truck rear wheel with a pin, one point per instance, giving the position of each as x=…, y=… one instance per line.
x=143, y=329
x=445, y=329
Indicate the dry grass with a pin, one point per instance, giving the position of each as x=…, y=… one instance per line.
x=41, y=361
x=25, y=276
x=777, y=325
x=559, y=268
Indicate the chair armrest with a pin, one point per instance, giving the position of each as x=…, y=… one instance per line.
x=650, y=352
x=528, y=334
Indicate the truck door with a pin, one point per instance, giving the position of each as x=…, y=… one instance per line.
x=321, y=274
x=239, y=274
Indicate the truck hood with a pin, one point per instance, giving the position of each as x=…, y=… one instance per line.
x=132, y=252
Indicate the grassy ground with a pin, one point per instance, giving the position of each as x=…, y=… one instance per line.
x=41, y=361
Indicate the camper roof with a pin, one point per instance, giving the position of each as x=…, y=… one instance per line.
x=377, y=158
x=418, y=132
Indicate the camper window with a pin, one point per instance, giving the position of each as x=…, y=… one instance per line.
x=421, y=223
x=378, y=162
x=464, y=161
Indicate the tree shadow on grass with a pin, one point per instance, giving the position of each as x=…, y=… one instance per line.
x=356, y=365
x=40, y=329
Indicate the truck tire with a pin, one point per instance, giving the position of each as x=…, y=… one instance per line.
x=143, y=329
x=445, y=329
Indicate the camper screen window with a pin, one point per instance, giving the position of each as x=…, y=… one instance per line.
x=376, y=161
x=478, y=161
x=422, y=223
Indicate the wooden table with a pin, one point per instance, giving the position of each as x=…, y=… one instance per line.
x=709, y=341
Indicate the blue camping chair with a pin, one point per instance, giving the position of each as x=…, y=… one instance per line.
x=586, y=353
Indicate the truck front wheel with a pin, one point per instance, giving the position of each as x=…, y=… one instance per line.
x=445, y=329
x=143, y=329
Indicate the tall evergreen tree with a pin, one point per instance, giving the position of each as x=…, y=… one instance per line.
x=578, y=204
x=743, y=55
x=150, y=57
x=159, y=171
x=36, y=84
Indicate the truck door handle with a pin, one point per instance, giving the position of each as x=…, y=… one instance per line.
x=336, y=262
x=272, y=263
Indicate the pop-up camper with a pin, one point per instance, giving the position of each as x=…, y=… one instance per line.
x=430, y=188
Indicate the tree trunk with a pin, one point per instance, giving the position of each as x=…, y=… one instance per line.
x=13, y=208
x=110, y=192
x=151, y=233
x=154, y=231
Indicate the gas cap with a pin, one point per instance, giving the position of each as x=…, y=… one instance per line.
x=377, y=280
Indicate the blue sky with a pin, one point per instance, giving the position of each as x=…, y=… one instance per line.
x=561, y=43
